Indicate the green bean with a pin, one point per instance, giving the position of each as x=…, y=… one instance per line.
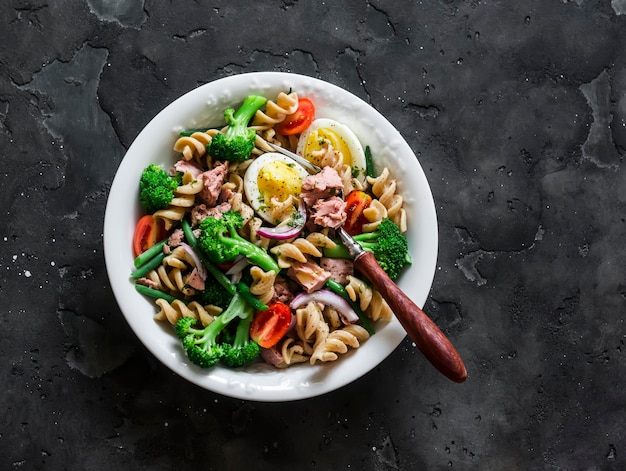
x=155, y=293
x=245, y=293
x=151, y=252
x=369, y=162
x=189, y=132
x=148, y=266
x=189, y=235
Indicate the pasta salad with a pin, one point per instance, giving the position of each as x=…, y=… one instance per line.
x=238, y=245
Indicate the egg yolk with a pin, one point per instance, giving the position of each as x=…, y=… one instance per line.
x=278, y=179
x=315, y=142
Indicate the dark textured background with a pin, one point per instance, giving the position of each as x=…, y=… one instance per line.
x=516, y=111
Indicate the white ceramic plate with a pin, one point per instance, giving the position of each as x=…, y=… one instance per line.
x=204, y=107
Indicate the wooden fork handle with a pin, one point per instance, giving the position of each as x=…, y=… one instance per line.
x=433, y=344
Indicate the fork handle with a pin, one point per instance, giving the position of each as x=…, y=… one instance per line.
x=433, y=344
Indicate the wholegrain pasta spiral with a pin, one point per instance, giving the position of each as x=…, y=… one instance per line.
x=239, y=168
x=177, y=309
x=311, y=327
x=281, y=211
x=262, y=145
x=250, y=231
x=178, y=258
x=359, y=291
x=378, y=308
x=320, y=239
x=262, y=285
x=332, y=317
x=384, y=188
x=337, y=342
x=288, y=252
x=370, y=300
x=275, y=111
x=374, y=214
x=292, y=351
x=171, y=275
x=173, y=281
x=328, y=156
x=234, y=183
x=193, y=147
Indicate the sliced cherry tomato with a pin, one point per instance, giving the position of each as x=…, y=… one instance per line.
x=356, y=202
x=297, y=122
x=269, y=326
x=147, y=233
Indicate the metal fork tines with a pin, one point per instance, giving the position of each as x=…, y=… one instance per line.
x=312, y=168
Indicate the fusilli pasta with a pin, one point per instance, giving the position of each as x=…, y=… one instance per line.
x=194, y=146
x=297, y=250
x=370, y=300
x=310, y=327
x=262, y=284
x=337, y=342
x=172, y=312
x=292, y=352
x=384, y=188
x=275, y=111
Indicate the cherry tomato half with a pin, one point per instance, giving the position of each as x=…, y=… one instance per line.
x=269, y=326
x=297, y=122
x=356, y=202
x=147, y=233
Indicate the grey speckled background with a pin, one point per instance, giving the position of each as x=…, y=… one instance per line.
x=516, y=111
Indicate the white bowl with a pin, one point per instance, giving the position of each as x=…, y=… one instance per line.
x=204, y=107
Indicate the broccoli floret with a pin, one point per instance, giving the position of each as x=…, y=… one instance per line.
x=202, y=345
x=220, y=242
x=387, y=243
x=237, y=142
x=156, y=188
x=243, y=349
x=215, y=295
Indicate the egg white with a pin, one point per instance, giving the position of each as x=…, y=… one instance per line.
x=346, y=134
x=258, y=201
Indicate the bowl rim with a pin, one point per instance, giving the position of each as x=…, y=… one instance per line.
x=257, y=383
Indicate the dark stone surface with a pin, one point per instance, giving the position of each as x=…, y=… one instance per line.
x=517, y=113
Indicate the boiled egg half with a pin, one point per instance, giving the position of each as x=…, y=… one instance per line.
x=322, y=131
x=272, y=175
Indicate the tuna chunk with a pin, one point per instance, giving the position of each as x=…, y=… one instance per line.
x=148, y=282
x=201, y=212
x=212, y=180
x=322, y=185
x=339, y=268
x=195, y=280
x=329, y=212
x=309, y=275
x=282, y=291
x=183, y=166
x=320, y=193
x=225, y=195
x=176, y=238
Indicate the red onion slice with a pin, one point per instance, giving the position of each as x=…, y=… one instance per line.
x=241, y=262
x=194, y=256
x=324, y=296
x=287, y=231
